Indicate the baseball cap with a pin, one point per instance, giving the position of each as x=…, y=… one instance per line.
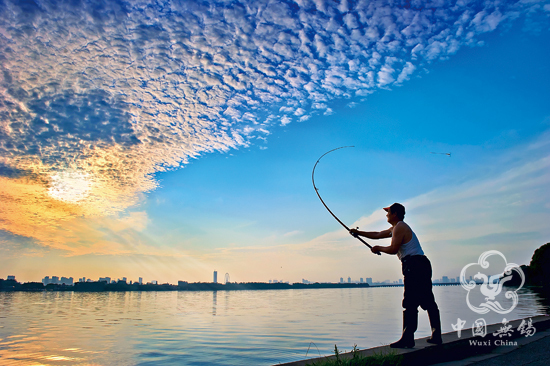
x=396, y=208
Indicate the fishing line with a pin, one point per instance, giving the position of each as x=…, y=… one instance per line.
x=323, y=202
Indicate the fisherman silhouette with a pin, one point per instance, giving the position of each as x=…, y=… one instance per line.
x=417, y=272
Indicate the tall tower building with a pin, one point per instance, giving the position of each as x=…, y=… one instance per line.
x=215, y=276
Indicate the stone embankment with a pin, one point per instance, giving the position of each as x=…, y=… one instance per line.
x=468, y=349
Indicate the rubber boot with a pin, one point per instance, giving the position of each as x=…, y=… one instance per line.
x=410, y=323
x=435, y=323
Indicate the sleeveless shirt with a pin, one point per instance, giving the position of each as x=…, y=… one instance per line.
x=412, y=247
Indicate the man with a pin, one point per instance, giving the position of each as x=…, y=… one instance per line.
x=417, y=272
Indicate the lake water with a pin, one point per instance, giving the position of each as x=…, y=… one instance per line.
x=215, y=328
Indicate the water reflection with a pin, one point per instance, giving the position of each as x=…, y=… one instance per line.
x=214, y=302
x=173, y=328
x=542, y=295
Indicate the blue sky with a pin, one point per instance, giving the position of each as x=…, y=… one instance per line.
x=243, y=98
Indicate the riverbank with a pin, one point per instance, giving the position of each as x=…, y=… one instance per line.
x=463, y=348
x=101, y=286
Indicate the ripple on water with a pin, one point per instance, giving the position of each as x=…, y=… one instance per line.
x=224, y=328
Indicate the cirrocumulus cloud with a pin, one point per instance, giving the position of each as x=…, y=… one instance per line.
x=98, y=96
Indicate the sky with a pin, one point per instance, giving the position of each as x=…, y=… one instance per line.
x=166, y=140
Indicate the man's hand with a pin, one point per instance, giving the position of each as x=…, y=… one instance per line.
x=375, y=249
x=354, y=232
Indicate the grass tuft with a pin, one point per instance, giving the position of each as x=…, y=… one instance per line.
x=378, y=359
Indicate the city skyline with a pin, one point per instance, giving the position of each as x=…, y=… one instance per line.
x=70, y=280
x=165, y=141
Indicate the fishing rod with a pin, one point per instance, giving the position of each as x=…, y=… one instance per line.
x=324, y=204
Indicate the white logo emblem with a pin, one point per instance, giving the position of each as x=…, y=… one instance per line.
x=479, y=328
x=492, y=285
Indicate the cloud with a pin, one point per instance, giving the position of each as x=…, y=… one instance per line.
x=292, y=233
x=504, y=203
x=505, y=209
x=408, y=69
x=14, y=246
x=115, y=92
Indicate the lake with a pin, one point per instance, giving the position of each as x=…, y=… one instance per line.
x=216, y=328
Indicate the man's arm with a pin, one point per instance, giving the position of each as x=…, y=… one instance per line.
x=399, y=232
x=372, y=234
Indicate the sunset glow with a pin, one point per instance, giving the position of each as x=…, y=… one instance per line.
x=169, y=141
x=70, y=186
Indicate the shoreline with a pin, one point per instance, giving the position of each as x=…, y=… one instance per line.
x=197, y=286
x=464, y=350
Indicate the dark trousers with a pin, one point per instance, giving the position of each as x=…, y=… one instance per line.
x=417, y=273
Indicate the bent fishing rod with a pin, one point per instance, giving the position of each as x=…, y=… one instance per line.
x=324, y=204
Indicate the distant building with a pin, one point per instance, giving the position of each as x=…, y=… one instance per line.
x=361, y=280
x=341, y=280
x=445, y=279
x=400, y=281
x=140, y=280
x=215, y=276
x=105, y=279
x=66, y=281
x=270, y=281
x=56, y=281
x=305, y=281
x=349, y=279
x=458, y=279
x=369, y=280
x=180, y=283
x=11, y=278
